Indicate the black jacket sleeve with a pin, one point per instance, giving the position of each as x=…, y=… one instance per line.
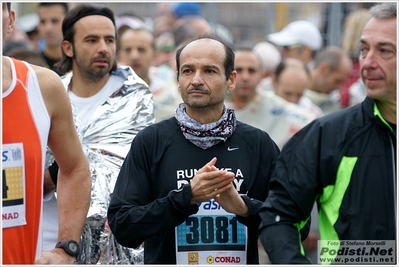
x=280, y=234
x=278, y=249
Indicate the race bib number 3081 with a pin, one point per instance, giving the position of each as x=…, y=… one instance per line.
x=13, y=208
x=212, y=236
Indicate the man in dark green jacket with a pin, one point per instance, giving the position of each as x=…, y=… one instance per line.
x=345, y=161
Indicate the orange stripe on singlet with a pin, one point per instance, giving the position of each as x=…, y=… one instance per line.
x=19, y=243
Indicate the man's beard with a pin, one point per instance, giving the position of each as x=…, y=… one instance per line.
x=89, y=73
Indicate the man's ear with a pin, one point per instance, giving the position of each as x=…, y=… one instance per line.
x=177, y=80
x=232, y=81
x=324, y=68
x=67, y=48
x=11, y=22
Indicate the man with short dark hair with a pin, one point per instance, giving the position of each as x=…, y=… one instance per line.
x=169, y=192
x=50, y=22
x=270, y=113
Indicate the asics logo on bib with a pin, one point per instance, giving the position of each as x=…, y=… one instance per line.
x=209, y=205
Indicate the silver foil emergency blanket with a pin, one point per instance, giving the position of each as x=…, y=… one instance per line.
x=106, y=140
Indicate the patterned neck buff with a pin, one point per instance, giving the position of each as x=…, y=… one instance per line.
x=206, y=135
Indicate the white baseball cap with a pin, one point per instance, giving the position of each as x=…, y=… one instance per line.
x=130, y=21
x=298, y=32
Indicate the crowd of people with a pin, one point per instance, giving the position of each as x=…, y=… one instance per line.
x=197, y=147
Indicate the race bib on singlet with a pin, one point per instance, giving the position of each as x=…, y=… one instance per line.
x=211, y=236
x=14, y=208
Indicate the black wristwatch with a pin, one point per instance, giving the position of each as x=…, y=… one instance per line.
x=71, y=247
